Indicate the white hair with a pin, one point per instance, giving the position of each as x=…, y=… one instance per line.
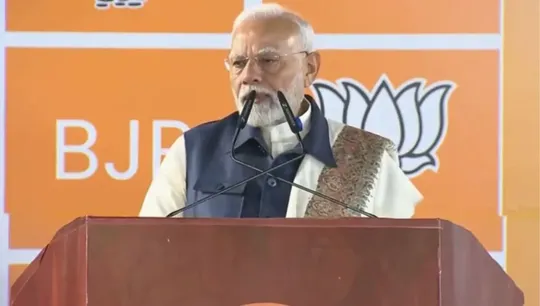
x=272, y=10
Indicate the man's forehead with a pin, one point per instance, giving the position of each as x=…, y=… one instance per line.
x=261, y=36
x=263, y=46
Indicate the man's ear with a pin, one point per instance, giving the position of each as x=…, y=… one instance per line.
x=313, y=63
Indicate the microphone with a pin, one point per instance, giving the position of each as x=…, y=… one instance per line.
x=289, y=116
x=241, y=124
x=244, y=116
x=246, y=110
x=296, y=128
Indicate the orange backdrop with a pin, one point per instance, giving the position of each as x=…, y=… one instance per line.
x=141, y=95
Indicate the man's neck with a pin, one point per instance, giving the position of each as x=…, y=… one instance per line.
x=304, y=106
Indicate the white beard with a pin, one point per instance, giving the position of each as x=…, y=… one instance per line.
x=268, y=112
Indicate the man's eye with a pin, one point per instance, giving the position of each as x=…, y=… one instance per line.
x=239, y=63
x=269, y=60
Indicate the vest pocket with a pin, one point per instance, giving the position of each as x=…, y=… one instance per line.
x=219, y=187
x=226, y=205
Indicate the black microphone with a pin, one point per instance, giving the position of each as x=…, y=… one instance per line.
x=296, y=128
x=244, y=116
x=289, y=116
x=241, y=124
x=246, y=110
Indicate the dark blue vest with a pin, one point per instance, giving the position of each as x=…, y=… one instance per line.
x=209, y=168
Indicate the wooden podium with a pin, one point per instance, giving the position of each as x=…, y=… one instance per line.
x=231, y=262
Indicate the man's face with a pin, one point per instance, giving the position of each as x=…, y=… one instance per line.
x=266, y=56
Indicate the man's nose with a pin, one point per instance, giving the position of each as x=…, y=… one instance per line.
x=252, y=73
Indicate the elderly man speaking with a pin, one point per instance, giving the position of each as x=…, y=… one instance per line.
x=271, y=62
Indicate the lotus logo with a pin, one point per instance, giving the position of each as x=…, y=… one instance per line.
x=414, y=116
x=129, y=4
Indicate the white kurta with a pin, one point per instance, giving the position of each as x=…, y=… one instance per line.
x=394, y=196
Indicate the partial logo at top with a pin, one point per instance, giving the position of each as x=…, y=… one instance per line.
x=413, y=115
x=130, y=4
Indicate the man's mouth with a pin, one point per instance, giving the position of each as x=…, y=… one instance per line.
x=262, y=97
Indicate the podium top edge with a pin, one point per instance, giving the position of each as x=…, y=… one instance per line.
x=264, y=222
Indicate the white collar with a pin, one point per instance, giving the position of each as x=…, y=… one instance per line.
x=282, y=131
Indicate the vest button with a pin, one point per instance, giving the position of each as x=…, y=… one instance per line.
x=271, y=182
x=262, y=150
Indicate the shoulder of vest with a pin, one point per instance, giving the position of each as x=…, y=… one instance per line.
x=215, y=126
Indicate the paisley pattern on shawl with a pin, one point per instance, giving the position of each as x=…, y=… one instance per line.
x=358, y=154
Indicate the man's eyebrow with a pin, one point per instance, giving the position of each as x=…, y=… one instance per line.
x=267, y=50
x=261, y=51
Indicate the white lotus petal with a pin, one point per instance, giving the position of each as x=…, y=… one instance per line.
x=413, y=166
x=410, y=117
x=357, y=103
x=432, y=114
x=382, y=117
x=328, y=94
